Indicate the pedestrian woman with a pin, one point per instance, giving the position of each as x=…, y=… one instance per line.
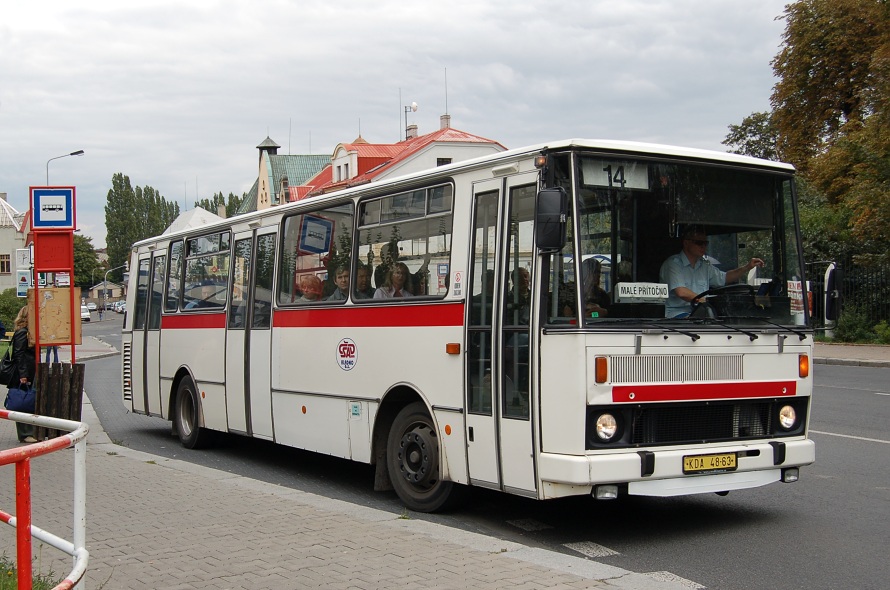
x=24, y=367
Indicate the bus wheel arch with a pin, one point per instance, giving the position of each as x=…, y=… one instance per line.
x=187, y=413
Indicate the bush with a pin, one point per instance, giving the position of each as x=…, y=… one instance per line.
x=853, y=326
x=882, y=331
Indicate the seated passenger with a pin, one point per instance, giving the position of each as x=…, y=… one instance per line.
x=596, y=300
x=311, y=287
x=341, y=279
x=363, y=288
x=688, y=273
x=395, y=284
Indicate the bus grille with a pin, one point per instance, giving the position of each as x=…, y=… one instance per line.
x=694, y=423
x=676, y=368
x=127, y=373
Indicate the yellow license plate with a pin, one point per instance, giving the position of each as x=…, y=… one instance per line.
x=699, y=463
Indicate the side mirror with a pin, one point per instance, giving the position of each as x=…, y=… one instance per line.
x=551, y=212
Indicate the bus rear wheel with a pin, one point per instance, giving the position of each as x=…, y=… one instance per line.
x=187, y=416
x=413, y=460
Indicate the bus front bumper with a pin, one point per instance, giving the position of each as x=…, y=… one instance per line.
x=661, y=472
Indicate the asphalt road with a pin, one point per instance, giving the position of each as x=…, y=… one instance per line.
x=829, y=530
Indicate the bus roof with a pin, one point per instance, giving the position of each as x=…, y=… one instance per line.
x=609, y=146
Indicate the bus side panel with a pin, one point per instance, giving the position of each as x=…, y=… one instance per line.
x=563, y=393
x=363, y=364
x=202, y=351
x=312, y=422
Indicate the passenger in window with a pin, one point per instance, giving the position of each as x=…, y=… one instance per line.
x=311, y=287
x=419, y=284
x=363, y=288
x=389, y=254
x=689, y=273
x=205, y=297
x=396, y=283
x=341, y=279
x=596, y=300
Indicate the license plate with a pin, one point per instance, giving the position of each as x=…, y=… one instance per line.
x=699, y=463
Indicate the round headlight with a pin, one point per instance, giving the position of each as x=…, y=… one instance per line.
x=606, y=427
x=787, y=417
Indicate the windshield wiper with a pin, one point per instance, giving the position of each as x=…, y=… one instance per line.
x=799, y=334
x=692, y=335
x=750, y=335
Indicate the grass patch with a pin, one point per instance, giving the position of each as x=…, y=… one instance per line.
x=9, y=579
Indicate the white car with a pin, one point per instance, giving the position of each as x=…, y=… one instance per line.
x=84, y=313
x=91, y=306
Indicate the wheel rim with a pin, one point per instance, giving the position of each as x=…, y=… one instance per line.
x=418, y=456
x=186, y=412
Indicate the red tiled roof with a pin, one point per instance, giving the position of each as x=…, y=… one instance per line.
x=374, y=158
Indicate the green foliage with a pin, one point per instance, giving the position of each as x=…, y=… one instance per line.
x=133, y=214
x=86, y=266
x=853, y=326
x=10, y=304
x=9, y=579
x=882, y=332
x=755, y=136
x=231, y=204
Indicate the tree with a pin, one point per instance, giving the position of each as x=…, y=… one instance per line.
x=231, y=204
x=826, y=72
x=85, y=261
x=755, y=136
x=132, y=215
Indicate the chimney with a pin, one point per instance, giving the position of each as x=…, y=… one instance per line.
x=221, y=210
x=445, y=121
x=411, y=131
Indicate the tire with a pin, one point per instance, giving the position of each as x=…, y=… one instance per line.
x=187, y=416
x=413, y=462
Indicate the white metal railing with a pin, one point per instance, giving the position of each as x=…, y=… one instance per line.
x=21, y=457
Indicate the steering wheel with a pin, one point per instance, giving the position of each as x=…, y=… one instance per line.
x=704, y=309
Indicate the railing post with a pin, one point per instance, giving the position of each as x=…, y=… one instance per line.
x=23, y=522
x=80, y=499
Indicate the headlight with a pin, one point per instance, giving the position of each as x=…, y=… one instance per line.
x=787, y=417
x=606, y=427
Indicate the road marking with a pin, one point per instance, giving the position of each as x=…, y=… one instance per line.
x=669, y=577
x=879, y=393
x=848, y=388
x=877, y=440
x=590, y=549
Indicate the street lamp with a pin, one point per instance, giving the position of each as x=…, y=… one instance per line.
x=77, y=153
x=105, y=286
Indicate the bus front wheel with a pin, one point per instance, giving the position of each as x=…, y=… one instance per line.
x=413, y=461
x=187, y=416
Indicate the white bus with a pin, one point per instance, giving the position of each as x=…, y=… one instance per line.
x=436, y=326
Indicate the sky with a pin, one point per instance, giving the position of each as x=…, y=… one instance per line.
x=177, y=95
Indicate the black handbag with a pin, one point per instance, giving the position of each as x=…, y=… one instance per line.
x=7, y=367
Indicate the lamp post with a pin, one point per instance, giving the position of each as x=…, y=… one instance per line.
x=105, y=286
x=77, y=153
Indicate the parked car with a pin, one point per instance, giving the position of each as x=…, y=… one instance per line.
x=92, y=306
x=84, y=313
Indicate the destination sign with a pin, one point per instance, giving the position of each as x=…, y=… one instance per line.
x=641, y=292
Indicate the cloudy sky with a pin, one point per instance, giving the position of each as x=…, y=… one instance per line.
x=177, y=95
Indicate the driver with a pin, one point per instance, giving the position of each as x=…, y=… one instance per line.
x=688, y=273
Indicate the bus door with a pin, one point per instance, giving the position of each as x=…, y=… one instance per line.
x=146, y=344
x=499, y=420
x=248, y=334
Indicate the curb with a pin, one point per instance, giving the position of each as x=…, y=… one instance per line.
x=850, y=362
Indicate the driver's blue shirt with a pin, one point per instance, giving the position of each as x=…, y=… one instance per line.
x=677, y=272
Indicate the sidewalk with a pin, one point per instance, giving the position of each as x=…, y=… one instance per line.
x=862, y=355
x=160, y=523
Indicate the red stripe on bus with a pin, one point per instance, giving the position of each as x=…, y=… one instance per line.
x=701, y=391
x=185, y=321
x=449, y=314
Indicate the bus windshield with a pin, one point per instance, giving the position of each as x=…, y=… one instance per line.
x=631, y=215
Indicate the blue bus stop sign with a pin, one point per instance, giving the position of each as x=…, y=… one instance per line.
x=52, y=207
